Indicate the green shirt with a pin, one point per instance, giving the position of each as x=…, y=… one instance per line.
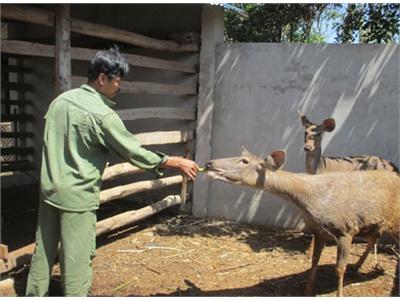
x=81, y=129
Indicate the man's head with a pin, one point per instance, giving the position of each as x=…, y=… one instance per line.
x=106, y=70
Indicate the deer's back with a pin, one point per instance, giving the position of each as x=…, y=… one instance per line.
x=354, y=163
x=357, y=201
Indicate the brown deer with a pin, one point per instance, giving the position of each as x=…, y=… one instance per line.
x=316, y=163
x=335, y=204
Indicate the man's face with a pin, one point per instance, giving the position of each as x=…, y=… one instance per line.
x=109, y=87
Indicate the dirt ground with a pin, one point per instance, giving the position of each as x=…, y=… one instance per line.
x=175, y=254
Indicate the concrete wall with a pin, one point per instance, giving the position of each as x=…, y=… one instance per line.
x=259, y=88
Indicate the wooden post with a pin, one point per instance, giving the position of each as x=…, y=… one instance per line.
x=184, y=190
x=212, y=32
x=63, y=50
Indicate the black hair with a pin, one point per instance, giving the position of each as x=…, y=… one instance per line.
x=110, y=62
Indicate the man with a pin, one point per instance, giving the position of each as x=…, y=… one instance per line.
x=81, y=129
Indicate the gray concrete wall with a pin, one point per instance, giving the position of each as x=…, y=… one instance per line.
x=259, y=88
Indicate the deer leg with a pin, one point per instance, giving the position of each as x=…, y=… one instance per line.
x=319, y=244
x=310, y=249
x=371, y=242
x=343, y=250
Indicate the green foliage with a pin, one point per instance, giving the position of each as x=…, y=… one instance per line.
x=369, y=23
x=273, y=23
x=303, y=23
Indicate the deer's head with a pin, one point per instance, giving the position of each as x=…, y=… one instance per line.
x=246, y=169
x=313, y=132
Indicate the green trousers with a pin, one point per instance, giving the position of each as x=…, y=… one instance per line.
x=76, y=234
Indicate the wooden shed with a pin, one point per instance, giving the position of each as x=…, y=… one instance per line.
x=166, y=99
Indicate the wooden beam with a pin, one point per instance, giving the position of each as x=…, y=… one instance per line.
x=133, y=216
x=120, y=35
x=15, y=135
x=23, y=165
x=19, y=257
x=157, y=112
x=16, y=102
x=63, y=50
x=15, y=69
x=27, y=14
x=16, y=117
x=137, y=187
x=24, y=255
x=119, y=170
x=3, y=251
x=17, y=151
x=16, y=86
x=142, y=87
x=43, y=17
x=164, y=137
x=212, y=33
x=85, y=54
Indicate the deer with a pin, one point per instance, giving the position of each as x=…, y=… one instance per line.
x=316, y=163
x=333, y=204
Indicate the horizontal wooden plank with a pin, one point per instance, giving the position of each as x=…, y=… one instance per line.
x=19, y=257
x=43, y=50
x=164, y=137
x=157, y=112
x=16, y=86
x=16, y=102
x=120, y=35
x=43, y=17
x=142, y=87
x=27, y=14
x=140, y=61
x=3, y=251
x=23, y=255
x=19, y=151
x=118, y=170
x=15, y=69
x=138, y=187
x=27, y=48
x=132, y=216
x=23, y=165
x=16, y=117
x=11, y=135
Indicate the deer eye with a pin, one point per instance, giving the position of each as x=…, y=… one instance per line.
x=244, y=160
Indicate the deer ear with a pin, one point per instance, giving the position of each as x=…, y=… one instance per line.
x=304, y=120
x=275, y=160
x=329, y=124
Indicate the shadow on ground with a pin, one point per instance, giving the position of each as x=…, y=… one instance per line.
x=291, y=285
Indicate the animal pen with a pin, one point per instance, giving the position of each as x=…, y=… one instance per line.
x=46, y=44
x=189, y=94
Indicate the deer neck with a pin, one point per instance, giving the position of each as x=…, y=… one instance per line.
x=313, y=160
x=293, y=187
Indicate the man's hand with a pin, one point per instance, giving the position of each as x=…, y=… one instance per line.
x=186, y=166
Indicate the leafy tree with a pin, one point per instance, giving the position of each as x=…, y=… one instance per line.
x=274, y=23
x=303, y=23
x=369, y=23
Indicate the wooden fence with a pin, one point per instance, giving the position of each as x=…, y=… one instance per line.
x=63, y=54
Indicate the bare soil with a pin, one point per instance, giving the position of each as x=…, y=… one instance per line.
x=176, y=254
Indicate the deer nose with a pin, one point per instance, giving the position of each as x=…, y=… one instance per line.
x=308, y=148
x=208, y=165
